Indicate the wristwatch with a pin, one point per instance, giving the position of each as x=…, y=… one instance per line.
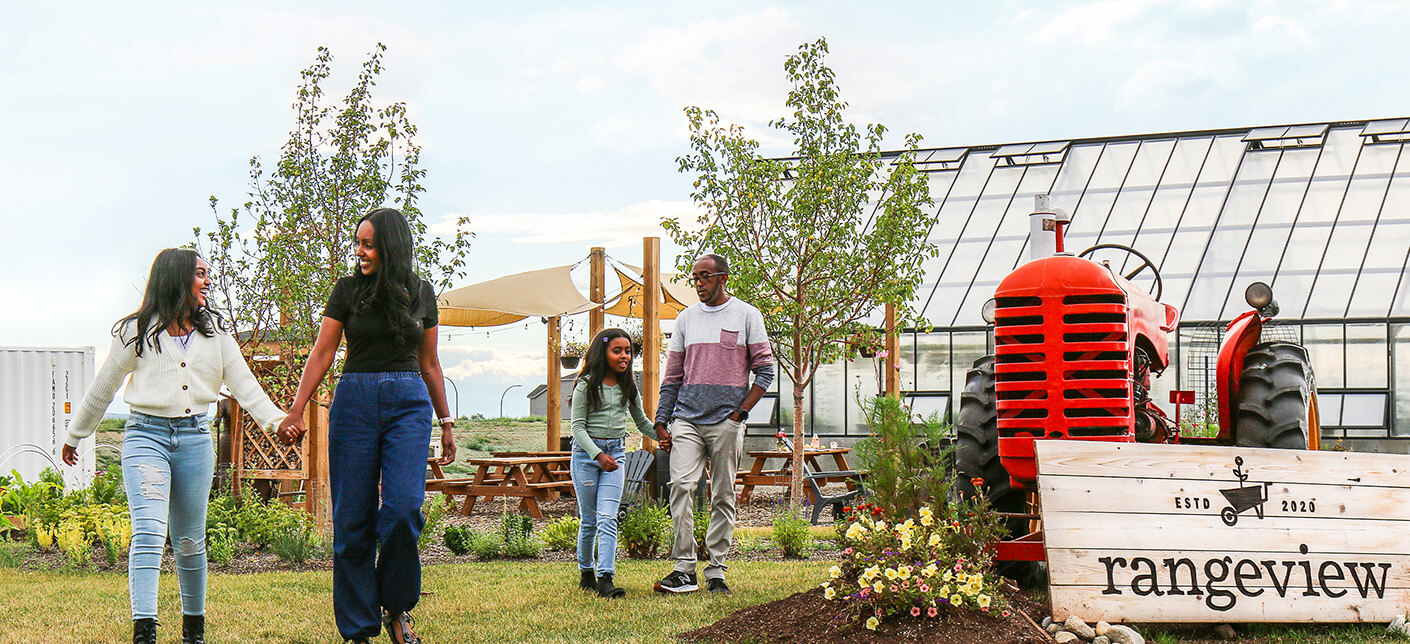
x=743, y=412
x=445, y=420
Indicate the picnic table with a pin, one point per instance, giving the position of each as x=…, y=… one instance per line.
x=782, y=476
x=529, y=478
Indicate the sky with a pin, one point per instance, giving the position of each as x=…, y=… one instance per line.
x=555, y=126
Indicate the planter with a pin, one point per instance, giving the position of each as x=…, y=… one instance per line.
x=568, y=362
x=12, y=521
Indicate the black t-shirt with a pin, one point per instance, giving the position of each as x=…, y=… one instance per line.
x=371, y=346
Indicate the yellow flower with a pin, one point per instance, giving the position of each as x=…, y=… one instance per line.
x=908, y=525
x=871, y=573
x=945, y=590
x=904, y=572
x=878, y=586
x=926, y=517
x=891, y=574
x=947, y=576
x=905, y=542
x=872, y=622
x=881, y=525
x=856, y=531
x=930, y=570
x=983, y=601
x=835, y=571
x=956, y=600
x=829, y=594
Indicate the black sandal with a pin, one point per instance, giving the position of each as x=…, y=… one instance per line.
x=403, y=621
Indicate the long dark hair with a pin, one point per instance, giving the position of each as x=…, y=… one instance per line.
x=168, y=299
x=395, y=288
x=595, y=367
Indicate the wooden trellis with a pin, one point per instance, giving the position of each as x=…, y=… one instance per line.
x=257, y=454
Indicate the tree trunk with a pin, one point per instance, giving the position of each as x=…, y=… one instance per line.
x=797, y=484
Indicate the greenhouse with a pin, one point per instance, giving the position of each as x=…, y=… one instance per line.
x=1320, y=211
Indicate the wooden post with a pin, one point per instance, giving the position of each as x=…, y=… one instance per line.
x=597, y=290
x=237, y=446
x=893, y=354
x=554, y=407
x=317, y=493
x=650, y=331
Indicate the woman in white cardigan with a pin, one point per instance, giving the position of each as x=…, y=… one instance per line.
x=178, y=355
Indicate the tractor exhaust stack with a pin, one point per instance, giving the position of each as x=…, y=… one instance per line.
x=1046, y=226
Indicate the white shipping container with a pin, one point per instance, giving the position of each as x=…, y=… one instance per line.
x=40, y=389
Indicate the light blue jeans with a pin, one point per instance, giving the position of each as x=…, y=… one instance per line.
x=599, y=495
x=167, y=465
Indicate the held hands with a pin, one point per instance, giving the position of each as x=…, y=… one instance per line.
x=447, y=445
x=663, y=437
x=70, y=455
x=606, y=462
x=292, y=430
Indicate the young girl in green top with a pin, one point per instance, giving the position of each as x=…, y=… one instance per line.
x=603, y=397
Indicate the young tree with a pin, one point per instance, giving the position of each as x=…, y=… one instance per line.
x=818, y=240
x=276, y=257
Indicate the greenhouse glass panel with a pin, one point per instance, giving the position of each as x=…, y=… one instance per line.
x=939, y=184
x=993, y=204
x=1329, y=409
x=1305, y=248
x=966, y=347
x=862, y=384
x=1185, y=162
x=927, y=407
x=1326, y=351
x=1363, y=410
x=1400, y=302
x=973, y=175
x=954, y=215
x=1092, y=213
x=944, y=301
x=907, y=361
x=1260, y=260
x=971, y=312
x=1126, y=215
x=1223, y=159
x=1366, y=356
x=1291, y=291
x=1036, y=181
x=1363, y=198
x=1285, y=196
x=1373, y=292
x=1073, y=175
x=1149, y=164
x=1330, y=295
x=1400, y=352
x=829, y=399
x=1340, y=152
x=785, y=403
x=1388, y=244
x=1246, y=195
x=933, y=368
x=1348, y=246
x=1203, y=206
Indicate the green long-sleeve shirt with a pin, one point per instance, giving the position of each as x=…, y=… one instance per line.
x=607, y=421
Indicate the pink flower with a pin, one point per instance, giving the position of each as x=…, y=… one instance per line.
x=924, y=588
x=906, y=584
x=933, y=611
x=915, y=611
x=865, y=592
x=894, y=588
x=847, y=551
x=882, y=353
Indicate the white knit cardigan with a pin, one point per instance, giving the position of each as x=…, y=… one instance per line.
x=171, y=384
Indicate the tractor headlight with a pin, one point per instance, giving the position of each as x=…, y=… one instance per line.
x=1258, y=295
x=988, y=310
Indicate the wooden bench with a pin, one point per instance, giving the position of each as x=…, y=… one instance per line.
x=529, y=478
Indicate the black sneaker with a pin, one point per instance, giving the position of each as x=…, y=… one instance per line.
x=718, y=585
x=677, y=582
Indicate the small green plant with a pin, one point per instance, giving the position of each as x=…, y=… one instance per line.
x=457, y=539
x=792, y=534
x=221, y=541
x=107, y=487
x=295, y=543
x=516, y=532
x=561, y=535
x=646, y=528
x=75, y=546
x=525, y=547
x=486, y=545
x=434, y=514
x=13, y=554
x=702, y=525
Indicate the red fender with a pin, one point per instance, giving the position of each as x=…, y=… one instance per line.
x=1239, y=337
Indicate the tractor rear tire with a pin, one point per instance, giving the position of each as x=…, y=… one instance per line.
x=1276, y=404
x=977, y=456
x=977, y=444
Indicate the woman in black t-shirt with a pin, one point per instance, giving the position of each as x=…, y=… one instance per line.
x=377, y=427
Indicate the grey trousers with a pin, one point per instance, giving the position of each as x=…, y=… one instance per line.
x=692, y=446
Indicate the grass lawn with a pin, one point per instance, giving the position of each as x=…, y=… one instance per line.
x=479, y=602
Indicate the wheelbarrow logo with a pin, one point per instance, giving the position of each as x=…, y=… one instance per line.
x=1243, y=498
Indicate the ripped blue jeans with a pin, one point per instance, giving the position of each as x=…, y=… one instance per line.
x=599, y=495
x=167, y=465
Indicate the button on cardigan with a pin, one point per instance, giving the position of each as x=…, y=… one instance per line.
x=168, y=384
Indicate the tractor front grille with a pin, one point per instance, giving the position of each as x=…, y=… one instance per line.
x=1062, y=366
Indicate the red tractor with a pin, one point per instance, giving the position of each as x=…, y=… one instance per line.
x=1076, y=344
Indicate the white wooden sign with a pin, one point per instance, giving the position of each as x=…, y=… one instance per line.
x=1183, y=533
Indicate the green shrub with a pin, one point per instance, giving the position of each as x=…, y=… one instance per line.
x=107, y=487
x=904, y=473
x=13, y=554
x=792, y=533
x=434, y=514
x=702, y=525
x=486, y=545
x=524, y=547
x=457, y=539
x=513, y=526
x=220, y=543
x=295, y=543
x=561, y=535
x=646, y=528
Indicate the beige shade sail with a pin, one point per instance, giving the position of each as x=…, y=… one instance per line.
x=547, y=292
x=676, y=295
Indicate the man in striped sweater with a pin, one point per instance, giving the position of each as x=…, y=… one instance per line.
x=706, y=396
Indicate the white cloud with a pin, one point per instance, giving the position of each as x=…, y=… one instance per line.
x=491, y=361
x=617, y=228
x=1163, y=82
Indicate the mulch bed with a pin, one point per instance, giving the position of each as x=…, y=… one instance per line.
x=807, y=617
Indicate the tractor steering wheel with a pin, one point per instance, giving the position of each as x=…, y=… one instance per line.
x=1156, y=289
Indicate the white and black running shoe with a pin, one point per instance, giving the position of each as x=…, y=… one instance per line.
x=677, y=582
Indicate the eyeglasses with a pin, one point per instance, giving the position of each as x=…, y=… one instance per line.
x=696, y=279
